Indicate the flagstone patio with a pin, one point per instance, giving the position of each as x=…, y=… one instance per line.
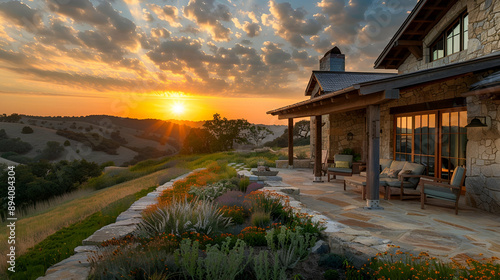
x=435, y=229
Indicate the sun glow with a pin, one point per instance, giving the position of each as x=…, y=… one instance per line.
x=178, y=108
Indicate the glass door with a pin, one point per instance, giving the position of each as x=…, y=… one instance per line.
x=453, y=142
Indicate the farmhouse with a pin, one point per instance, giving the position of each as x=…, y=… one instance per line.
x=441, y=110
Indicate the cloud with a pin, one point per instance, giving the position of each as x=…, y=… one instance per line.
x=79, y=10
x=21, y=14
x=209, y=17
x=167, y=13
x=291, y=24
x=252, y=29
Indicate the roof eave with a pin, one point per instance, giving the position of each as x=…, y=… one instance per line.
x=398, y=33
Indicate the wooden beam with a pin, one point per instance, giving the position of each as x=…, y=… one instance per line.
x=416, y=51
x=372, y=172
x=340, y=104
x=408, y=43
x=290, y=142
x=317, y=151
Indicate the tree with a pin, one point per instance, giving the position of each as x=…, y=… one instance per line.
x=226, y=132
x=302, y=129
x=52, y=151
x=198, y=141
x=27, y=130
x=3, y=134
x=257, y=133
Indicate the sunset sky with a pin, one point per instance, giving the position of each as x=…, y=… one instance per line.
x=179, y=59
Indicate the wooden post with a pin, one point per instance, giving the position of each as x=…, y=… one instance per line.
x=317, y=151
x=373, y=163
x=290, y=143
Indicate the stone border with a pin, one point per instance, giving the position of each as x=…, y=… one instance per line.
x=77, y=267
x=357, y=246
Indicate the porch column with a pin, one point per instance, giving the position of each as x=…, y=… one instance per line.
x=372, y=172
x=317, y=150
x=290, y=143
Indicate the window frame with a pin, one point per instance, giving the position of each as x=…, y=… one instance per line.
x=443, y=37
x=438, y=134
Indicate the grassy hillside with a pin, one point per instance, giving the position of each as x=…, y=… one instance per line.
x=32, y=229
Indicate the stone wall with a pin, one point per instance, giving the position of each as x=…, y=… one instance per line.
x=484, y=36
x=483, y=157
x=343, y=123
x=441, y=90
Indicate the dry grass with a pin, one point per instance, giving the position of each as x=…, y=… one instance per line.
x=33, y=229
x=297, y=150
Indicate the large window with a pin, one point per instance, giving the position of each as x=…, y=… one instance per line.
x=435, y=139
x=454, y=39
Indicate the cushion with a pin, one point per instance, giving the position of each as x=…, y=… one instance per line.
x=342, y=164
x=456, y=179
x=396, y=164
x=347, y=158
x=416, y=169
x=384, y=173
x=384, y=163
x=393, y=173
x=439, y=192
x=403, y=172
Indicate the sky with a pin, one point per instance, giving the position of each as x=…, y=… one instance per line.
x=180, y=59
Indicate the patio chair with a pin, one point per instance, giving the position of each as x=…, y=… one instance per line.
x=342, y=166
x=436, y=188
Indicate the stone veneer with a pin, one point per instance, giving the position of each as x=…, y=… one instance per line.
x=343, y=123
x=483, y=157
x=484, y=36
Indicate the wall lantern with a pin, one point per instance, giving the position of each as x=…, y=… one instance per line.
x=350, y=136
x=476, y=122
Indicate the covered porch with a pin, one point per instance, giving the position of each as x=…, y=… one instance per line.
x=371, y=96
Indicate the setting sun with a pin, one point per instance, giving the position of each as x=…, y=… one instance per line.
x=178, y=108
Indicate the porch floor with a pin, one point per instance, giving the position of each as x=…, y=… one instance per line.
x=435, y=229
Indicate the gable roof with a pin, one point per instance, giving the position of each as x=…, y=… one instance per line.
x=330, y=81
x=408, y=39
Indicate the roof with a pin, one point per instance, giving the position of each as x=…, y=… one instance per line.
x=490, y=81
x=330, y=81
x=361, y=94
x=408, y=39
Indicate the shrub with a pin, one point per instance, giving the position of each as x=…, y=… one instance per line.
x=211, y=191
x=253, y=187
x=3, y=134
x=15, y=145
x=290, y=246
x=182, y=216
x=243, y=184
x=231, y=198
x=27, y=130
x=260, y=219
x=52, y=151
x=223, y=263
x=253, y=236
x=236, y=213
x=266, y=268
x=67, y=143
x=331, y=274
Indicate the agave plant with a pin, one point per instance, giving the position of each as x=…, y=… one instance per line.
x=183, y=216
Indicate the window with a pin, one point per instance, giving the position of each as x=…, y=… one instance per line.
x=435, y=139
x=454, y=39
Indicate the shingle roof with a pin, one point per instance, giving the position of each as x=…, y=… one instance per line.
x=333, y=81
x=490, y=81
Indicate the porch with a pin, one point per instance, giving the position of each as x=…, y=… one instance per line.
x=435, y=229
